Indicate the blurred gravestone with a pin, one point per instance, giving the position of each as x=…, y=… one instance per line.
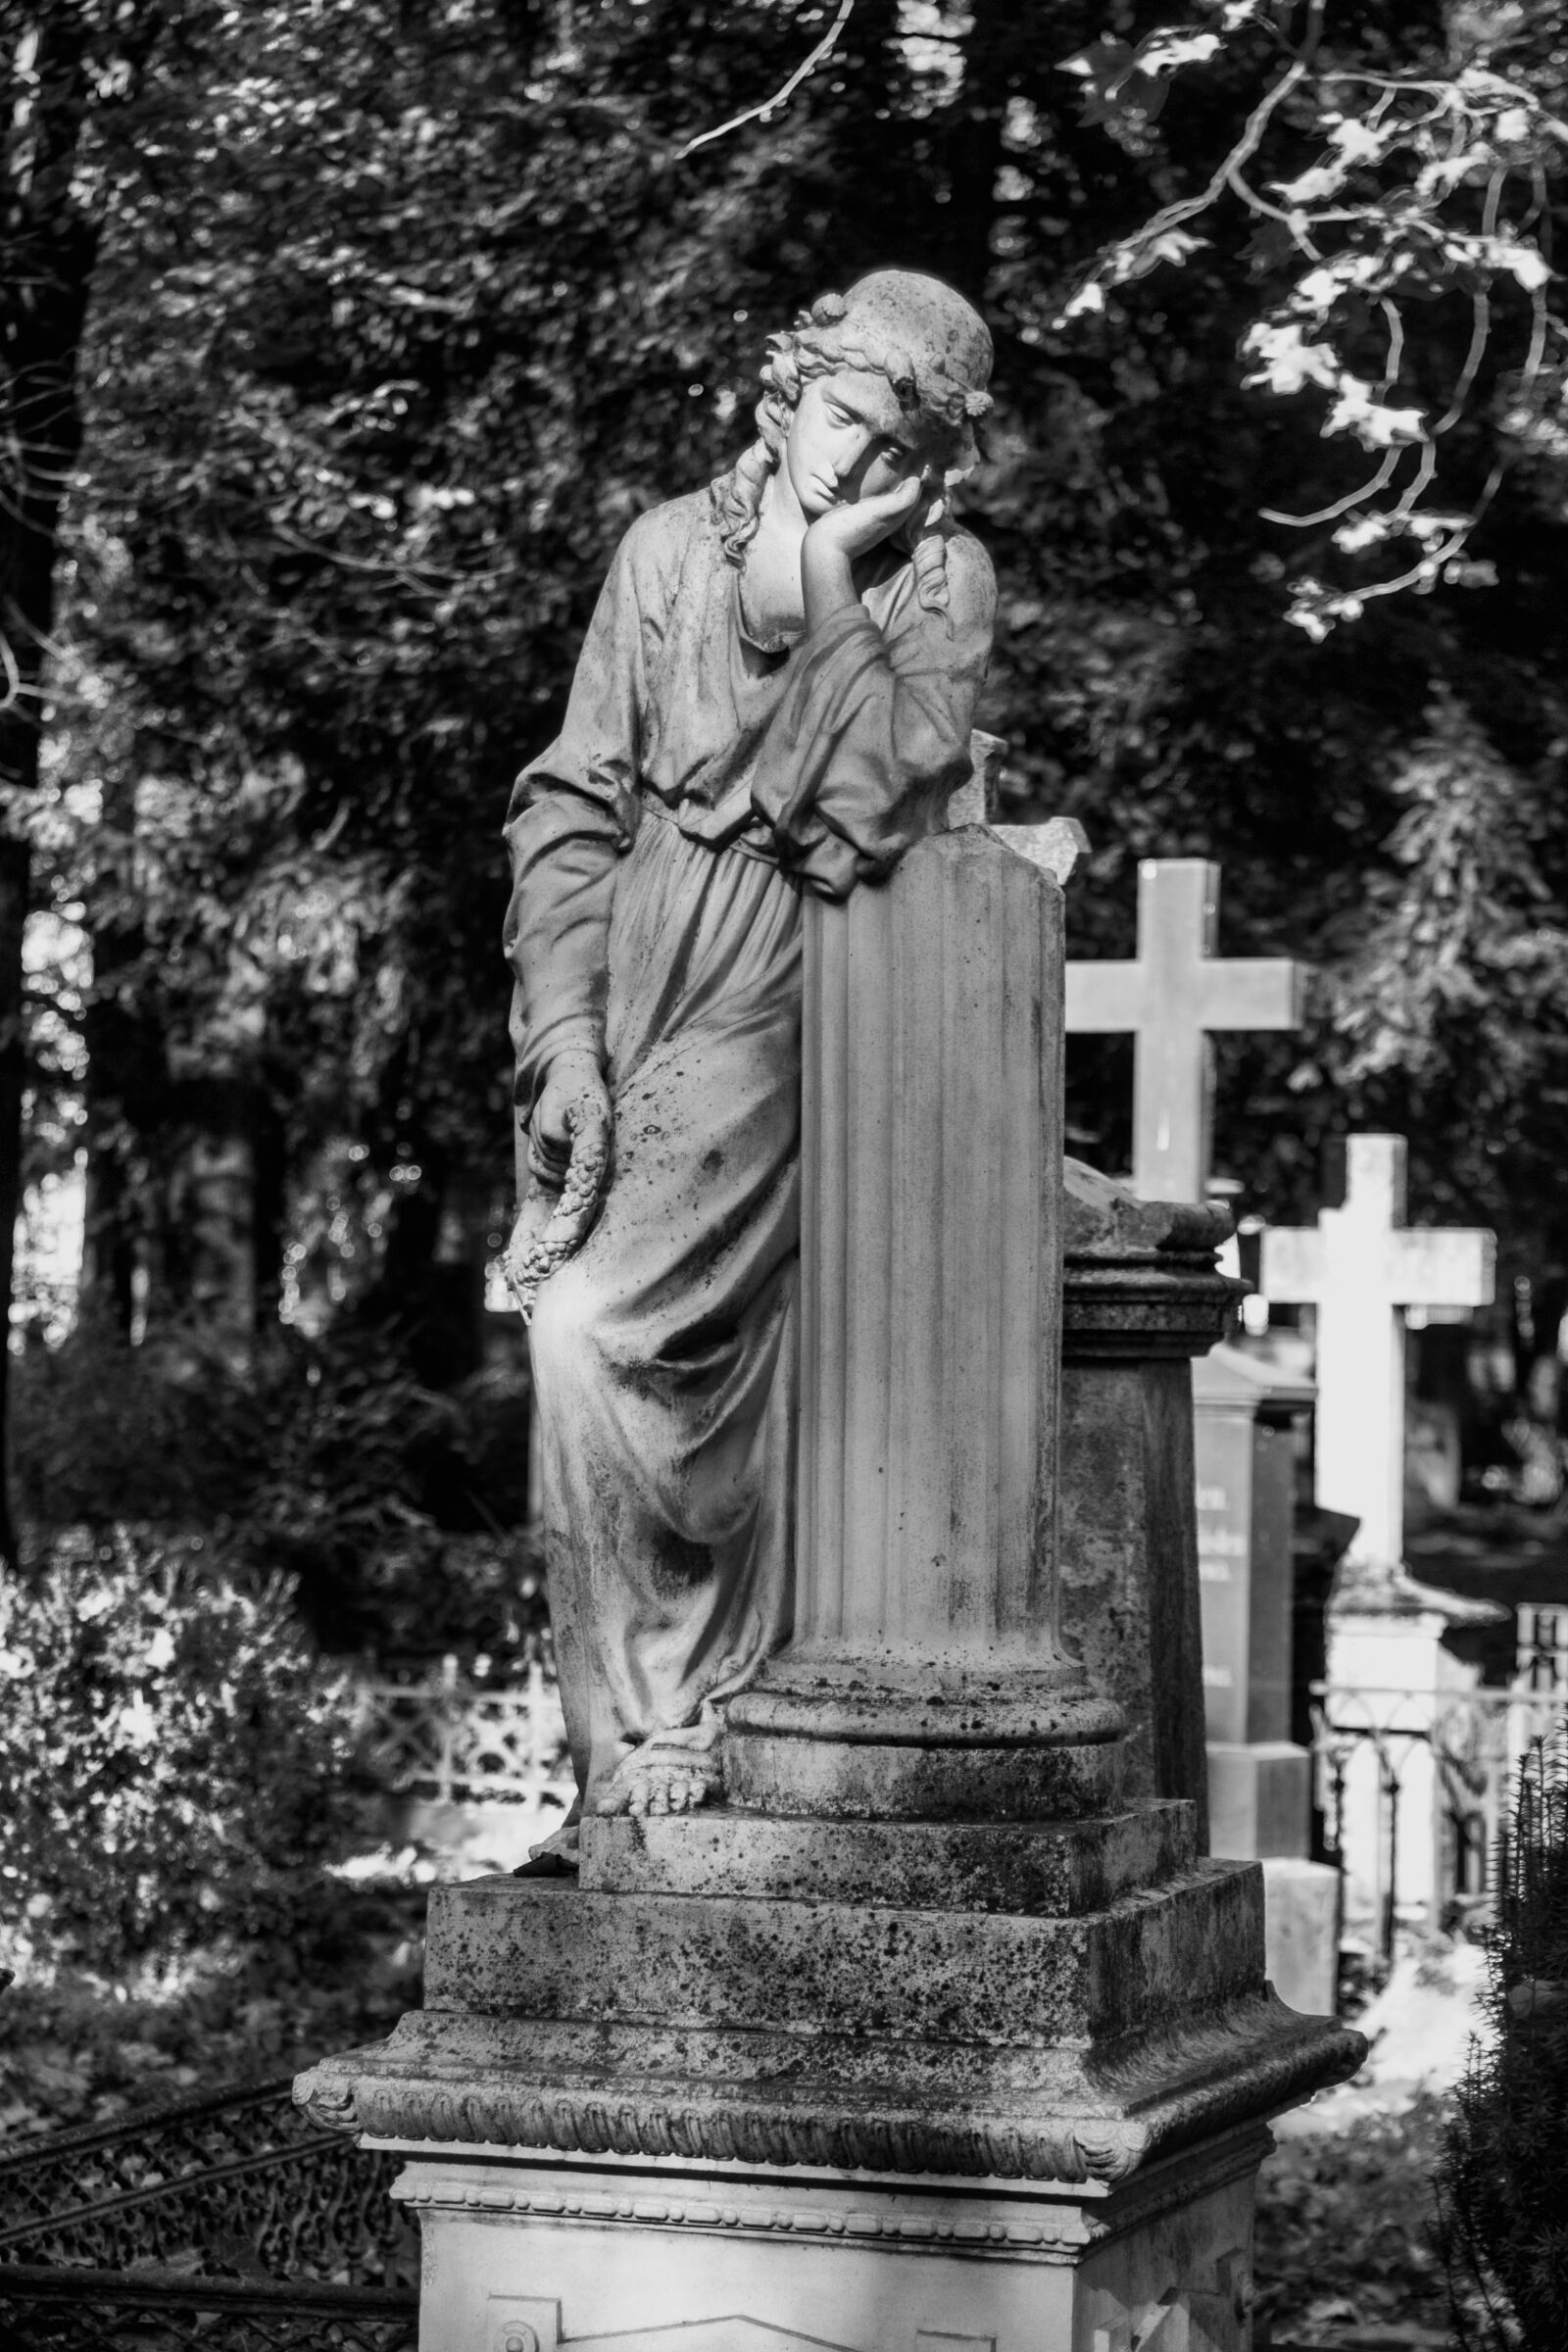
x=1360, y=1267
x=1259, y=1778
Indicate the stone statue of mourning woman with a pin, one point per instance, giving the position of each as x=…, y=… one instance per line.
x=774, y=697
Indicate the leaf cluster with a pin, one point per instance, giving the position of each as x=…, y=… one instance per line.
x=392, y=1513
x=1504, y=2179
x=1431, y=183
x=172, y=1753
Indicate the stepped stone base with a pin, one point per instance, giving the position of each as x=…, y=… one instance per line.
x=1075, y=2000
x=798, y=2085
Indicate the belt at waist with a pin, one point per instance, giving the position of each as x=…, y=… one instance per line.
x=733, y=824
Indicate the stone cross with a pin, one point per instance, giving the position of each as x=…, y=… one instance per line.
x=1360, y=1267
x=1172, y=997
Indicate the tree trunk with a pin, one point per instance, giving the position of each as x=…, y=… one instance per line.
x=13, y=882
x=46, y=256
x=127, y=1074
x=973, y=145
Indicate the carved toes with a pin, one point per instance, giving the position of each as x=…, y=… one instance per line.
x=658, y=1785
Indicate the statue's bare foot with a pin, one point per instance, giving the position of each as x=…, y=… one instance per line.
x=668, y=1789
x=661, y=1777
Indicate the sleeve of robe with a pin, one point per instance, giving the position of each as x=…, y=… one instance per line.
x=572, y=817
x=874, y=733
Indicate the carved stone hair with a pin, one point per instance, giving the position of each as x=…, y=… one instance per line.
x=934, y=351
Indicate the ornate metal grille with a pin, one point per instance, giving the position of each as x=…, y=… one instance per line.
x=103, y=2311
x=1477, y=1739
x=229, y=2221
x=455, y=1741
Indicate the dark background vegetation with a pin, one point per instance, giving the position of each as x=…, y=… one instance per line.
x=342, y=338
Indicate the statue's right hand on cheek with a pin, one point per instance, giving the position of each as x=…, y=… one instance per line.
x=570, y=1137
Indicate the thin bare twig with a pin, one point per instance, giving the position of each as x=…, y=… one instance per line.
x=1294, y=222
x=1385, y=472
x=1426, y=468
x=769, y=106
x=1480, y=314
x=1432, y=565
x=1341, y=505
x=1537, y=343
x=1443, y=92
x=1226, y=173
x=1480, y=329
x=1394, y=319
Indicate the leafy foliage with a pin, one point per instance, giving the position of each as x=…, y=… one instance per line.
x=1427, y=184
x=171, y=1752
x=393, y=1514
x=78, y=2047
x=1463, y=931
x=1505, y=2180
x=1345, y=2240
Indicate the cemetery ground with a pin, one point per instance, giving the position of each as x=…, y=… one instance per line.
x=1346, y=2252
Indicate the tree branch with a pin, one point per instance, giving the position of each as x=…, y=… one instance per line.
x=1341, y=505
x=769, y=106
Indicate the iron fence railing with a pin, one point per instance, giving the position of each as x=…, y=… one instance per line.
x=1477, y=1739
x=230, y=2222
x=70, y=2310
x=457, y=1740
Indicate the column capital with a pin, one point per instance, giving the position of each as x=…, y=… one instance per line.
x=1140, y=1277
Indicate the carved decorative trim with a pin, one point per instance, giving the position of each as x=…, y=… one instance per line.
x=534, y=2117
x=1074, y=2233
x=1197, y=2077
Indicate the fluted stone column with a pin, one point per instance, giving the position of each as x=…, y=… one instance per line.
x=926, y=1673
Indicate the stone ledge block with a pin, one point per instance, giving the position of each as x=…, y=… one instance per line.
x=544, y=1948
x=782, y=1774
x=1051, y=1869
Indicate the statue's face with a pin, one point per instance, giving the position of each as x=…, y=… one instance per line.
x=849, y=439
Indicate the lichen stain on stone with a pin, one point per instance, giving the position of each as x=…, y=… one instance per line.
x=676, y=1563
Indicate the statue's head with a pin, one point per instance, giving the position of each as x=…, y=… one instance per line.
x=901, y=351
x=914, y=334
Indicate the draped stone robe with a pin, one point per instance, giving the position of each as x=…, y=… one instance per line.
x=658, y=848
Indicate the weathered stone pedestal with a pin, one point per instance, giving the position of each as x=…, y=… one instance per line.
x=1143, y=1298
x=927, y=2041
x=716, y=2258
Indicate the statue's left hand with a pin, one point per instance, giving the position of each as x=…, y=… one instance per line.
x=568, y=1155
x=573, y=1103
